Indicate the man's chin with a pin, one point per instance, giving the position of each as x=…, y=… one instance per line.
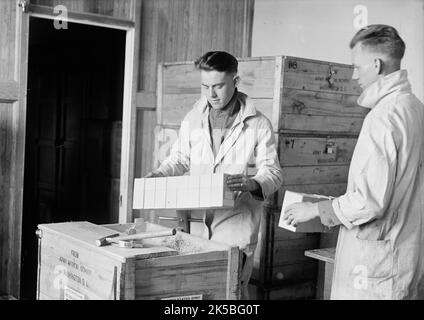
x=216, y=106
x=365, y=86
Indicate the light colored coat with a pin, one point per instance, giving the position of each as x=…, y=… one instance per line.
x=249, y=142
x=380, y=249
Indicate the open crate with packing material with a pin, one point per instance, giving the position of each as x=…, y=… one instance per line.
x=181, y=266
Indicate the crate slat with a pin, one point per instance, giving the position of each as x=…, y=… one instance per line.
x=315, y=174
x=313, y=151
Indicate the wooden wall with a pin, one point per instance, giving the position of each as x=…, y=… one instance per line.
x=12, y=132
x=182, y=30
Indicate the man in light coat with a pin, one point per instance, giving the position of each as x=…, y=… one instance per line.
x=224, y=133
x=380, y=249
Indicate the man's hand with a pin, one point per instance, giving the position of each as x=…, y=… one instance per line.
x=240, y=182
x=300, y=212
x=154, y=174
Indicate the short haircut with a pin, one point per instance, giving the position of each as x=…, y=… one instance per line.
x=217, y=61
x=382, y=38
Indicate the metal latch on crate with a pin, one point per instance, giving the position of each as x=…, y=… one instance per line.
x=330, y=146
x=330, y=75
x=39, y=233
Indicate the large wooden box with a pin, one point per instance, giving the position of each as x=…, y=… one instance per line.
x=312, y=106
x=183, y=266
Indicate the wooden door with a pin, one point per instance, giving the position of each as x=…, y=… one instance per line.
x=54, y=112
x=13, y=74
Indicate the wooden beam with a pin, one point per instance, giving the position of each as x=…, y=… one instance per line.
x=9, y=91
x=249, y=6
x=146, y=100
x=86, y=18
x=233, y=274
x=129, y=118
x=278, y=92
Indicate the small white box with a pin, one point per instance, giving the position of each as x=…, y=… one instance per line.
x=160, y=193
x=138, y=195
x=171, y=192
x=313, y=225
x=182, y=192
x=149, y=193
x=205, y=190
x=193, y=192
x=221, y=195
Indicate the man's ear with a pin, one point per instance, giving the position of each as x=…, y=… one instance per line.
x=378, y=66
x=236, y=80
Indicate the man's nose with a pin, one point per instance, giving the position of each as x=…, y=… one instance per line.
x=212, y=92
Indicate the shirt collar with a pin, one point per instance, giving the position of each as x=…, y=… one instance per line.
x=247, y=108
x=395, y=81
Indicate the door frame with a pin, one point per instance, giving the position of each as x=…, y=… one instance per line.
x=132, y=29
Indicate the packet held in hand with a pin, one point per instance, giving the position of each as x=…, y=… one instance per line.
x=313, y=225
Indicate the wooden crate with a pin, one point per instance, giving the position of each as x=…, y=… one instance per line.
x=71, y=266
x=316, y=121
x=292, y=92
x=305, y=110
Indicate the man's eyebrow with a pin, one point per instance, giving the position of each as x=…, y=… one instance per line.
x=215, y=84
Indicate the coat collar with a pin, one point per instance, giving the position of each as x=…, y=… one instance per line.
x=247, y=109
x=395, y=81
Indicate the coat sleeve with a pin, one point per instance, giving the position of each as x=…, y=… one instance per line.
x=269, y=175
x=373, y=172
x=178, y=162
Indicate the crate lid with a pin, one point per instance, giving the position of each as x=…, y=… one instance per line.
x=86, y=234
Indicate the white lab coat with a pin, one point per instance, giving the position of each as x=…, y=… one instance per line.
x=249, y=141
x=380, y=249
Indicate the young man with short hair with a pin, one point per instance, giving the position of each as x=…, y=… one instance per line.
x=223, y=133
x=380, y=249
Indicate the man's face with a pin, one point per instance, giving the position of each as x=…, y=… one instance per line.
x=365, y=70
x=218, y=87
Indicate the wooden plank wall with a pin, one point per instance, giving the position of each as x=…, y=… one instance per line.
x=182, y=30
x=13, y=41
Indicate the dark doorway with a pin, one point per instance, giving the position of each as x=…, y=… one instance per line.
x=74, y=117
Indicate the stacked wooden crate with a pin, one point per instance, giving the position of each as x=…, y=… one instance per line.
x=316, y=120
